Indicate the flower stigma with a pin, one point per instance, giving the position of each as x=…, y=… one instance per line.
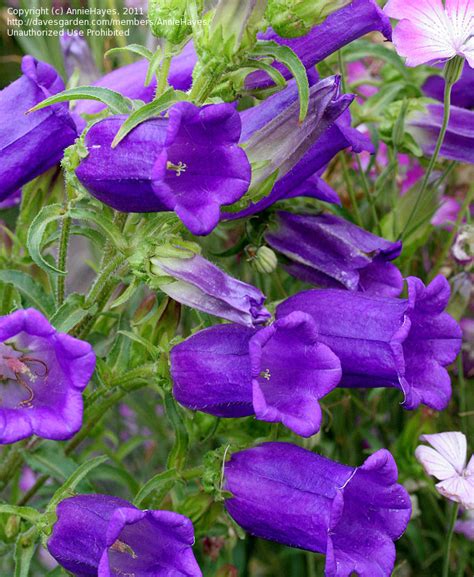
x=178, y=168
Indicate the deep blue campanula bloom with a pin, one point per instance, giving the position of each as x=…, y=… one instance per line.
x=104, y=536
x=353, y=515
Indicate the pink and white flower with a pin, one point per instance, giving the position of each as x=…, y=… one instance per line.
x=429, y=31
x=446, y=461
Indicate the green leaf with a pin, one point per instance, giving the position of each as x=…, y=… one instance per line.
x=135, y=48
x=286, y=56
x=33, y=196
x=150, y=347
x=70, y=313
x=376, y=105
x=117, y=103
x=160, y=484
x=148, y=111
x=30, y=289
x=68, y=487
x=92, y=234
x=127, y=294
x=46, y=461
x=155, y=62
x=178, y=453
x=28, y=513
x=274, y=74
x=103, y=222
x=47, y=215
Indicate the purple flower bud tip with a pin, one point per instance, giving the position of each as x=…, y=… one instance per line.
x=32, y=143
x=189, y=162
x=78, y=57
x=278, y=373
x=198, y=283
x=287, y=494
x=43, y=374
x=388, y=342
x=329, y=251
x=103, y=536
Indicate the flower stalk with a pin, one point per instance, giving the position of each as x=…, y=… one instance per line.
x=452, y=522
x=452, y=73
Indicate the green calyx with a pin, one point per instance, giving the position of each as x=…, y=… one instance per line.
x=146, y=263
x=229, y=33
x=293, y=18
x=453, y=70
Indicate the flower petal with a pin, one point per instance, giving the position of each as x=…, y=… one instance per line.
x=451, y=445
x=461, y=17
x=434, y=463
x=425, y=32
x=459, y=489
x=291, y=371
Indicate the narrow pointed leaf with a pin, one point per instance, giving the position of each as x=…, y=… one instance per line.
x=117, y=103
x=286, y=56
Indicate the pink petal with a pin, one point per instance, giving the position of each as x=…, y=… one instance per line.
x=422, y=45
x=418, y=11
x=426, y=33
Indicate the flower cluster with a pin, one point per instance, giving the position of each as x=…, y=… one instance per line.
x=262, y=242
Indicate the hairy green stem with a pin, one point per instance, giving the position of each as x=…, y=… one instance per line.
x=103, y=279
x=99, y=295
x=164, y=72
x=120, y=219
x=62, y=259
x=202, y=87
x=452, y=522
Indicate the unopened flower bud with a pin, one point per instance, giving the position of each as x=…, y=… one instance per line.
x=230, y=34
x=169, y=19
x=293, y=18
x=263, y=259
x=177, y=269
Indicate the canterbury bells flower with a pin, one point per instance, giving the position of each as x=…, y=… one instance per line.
x=353, y=515
x=188, y=161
